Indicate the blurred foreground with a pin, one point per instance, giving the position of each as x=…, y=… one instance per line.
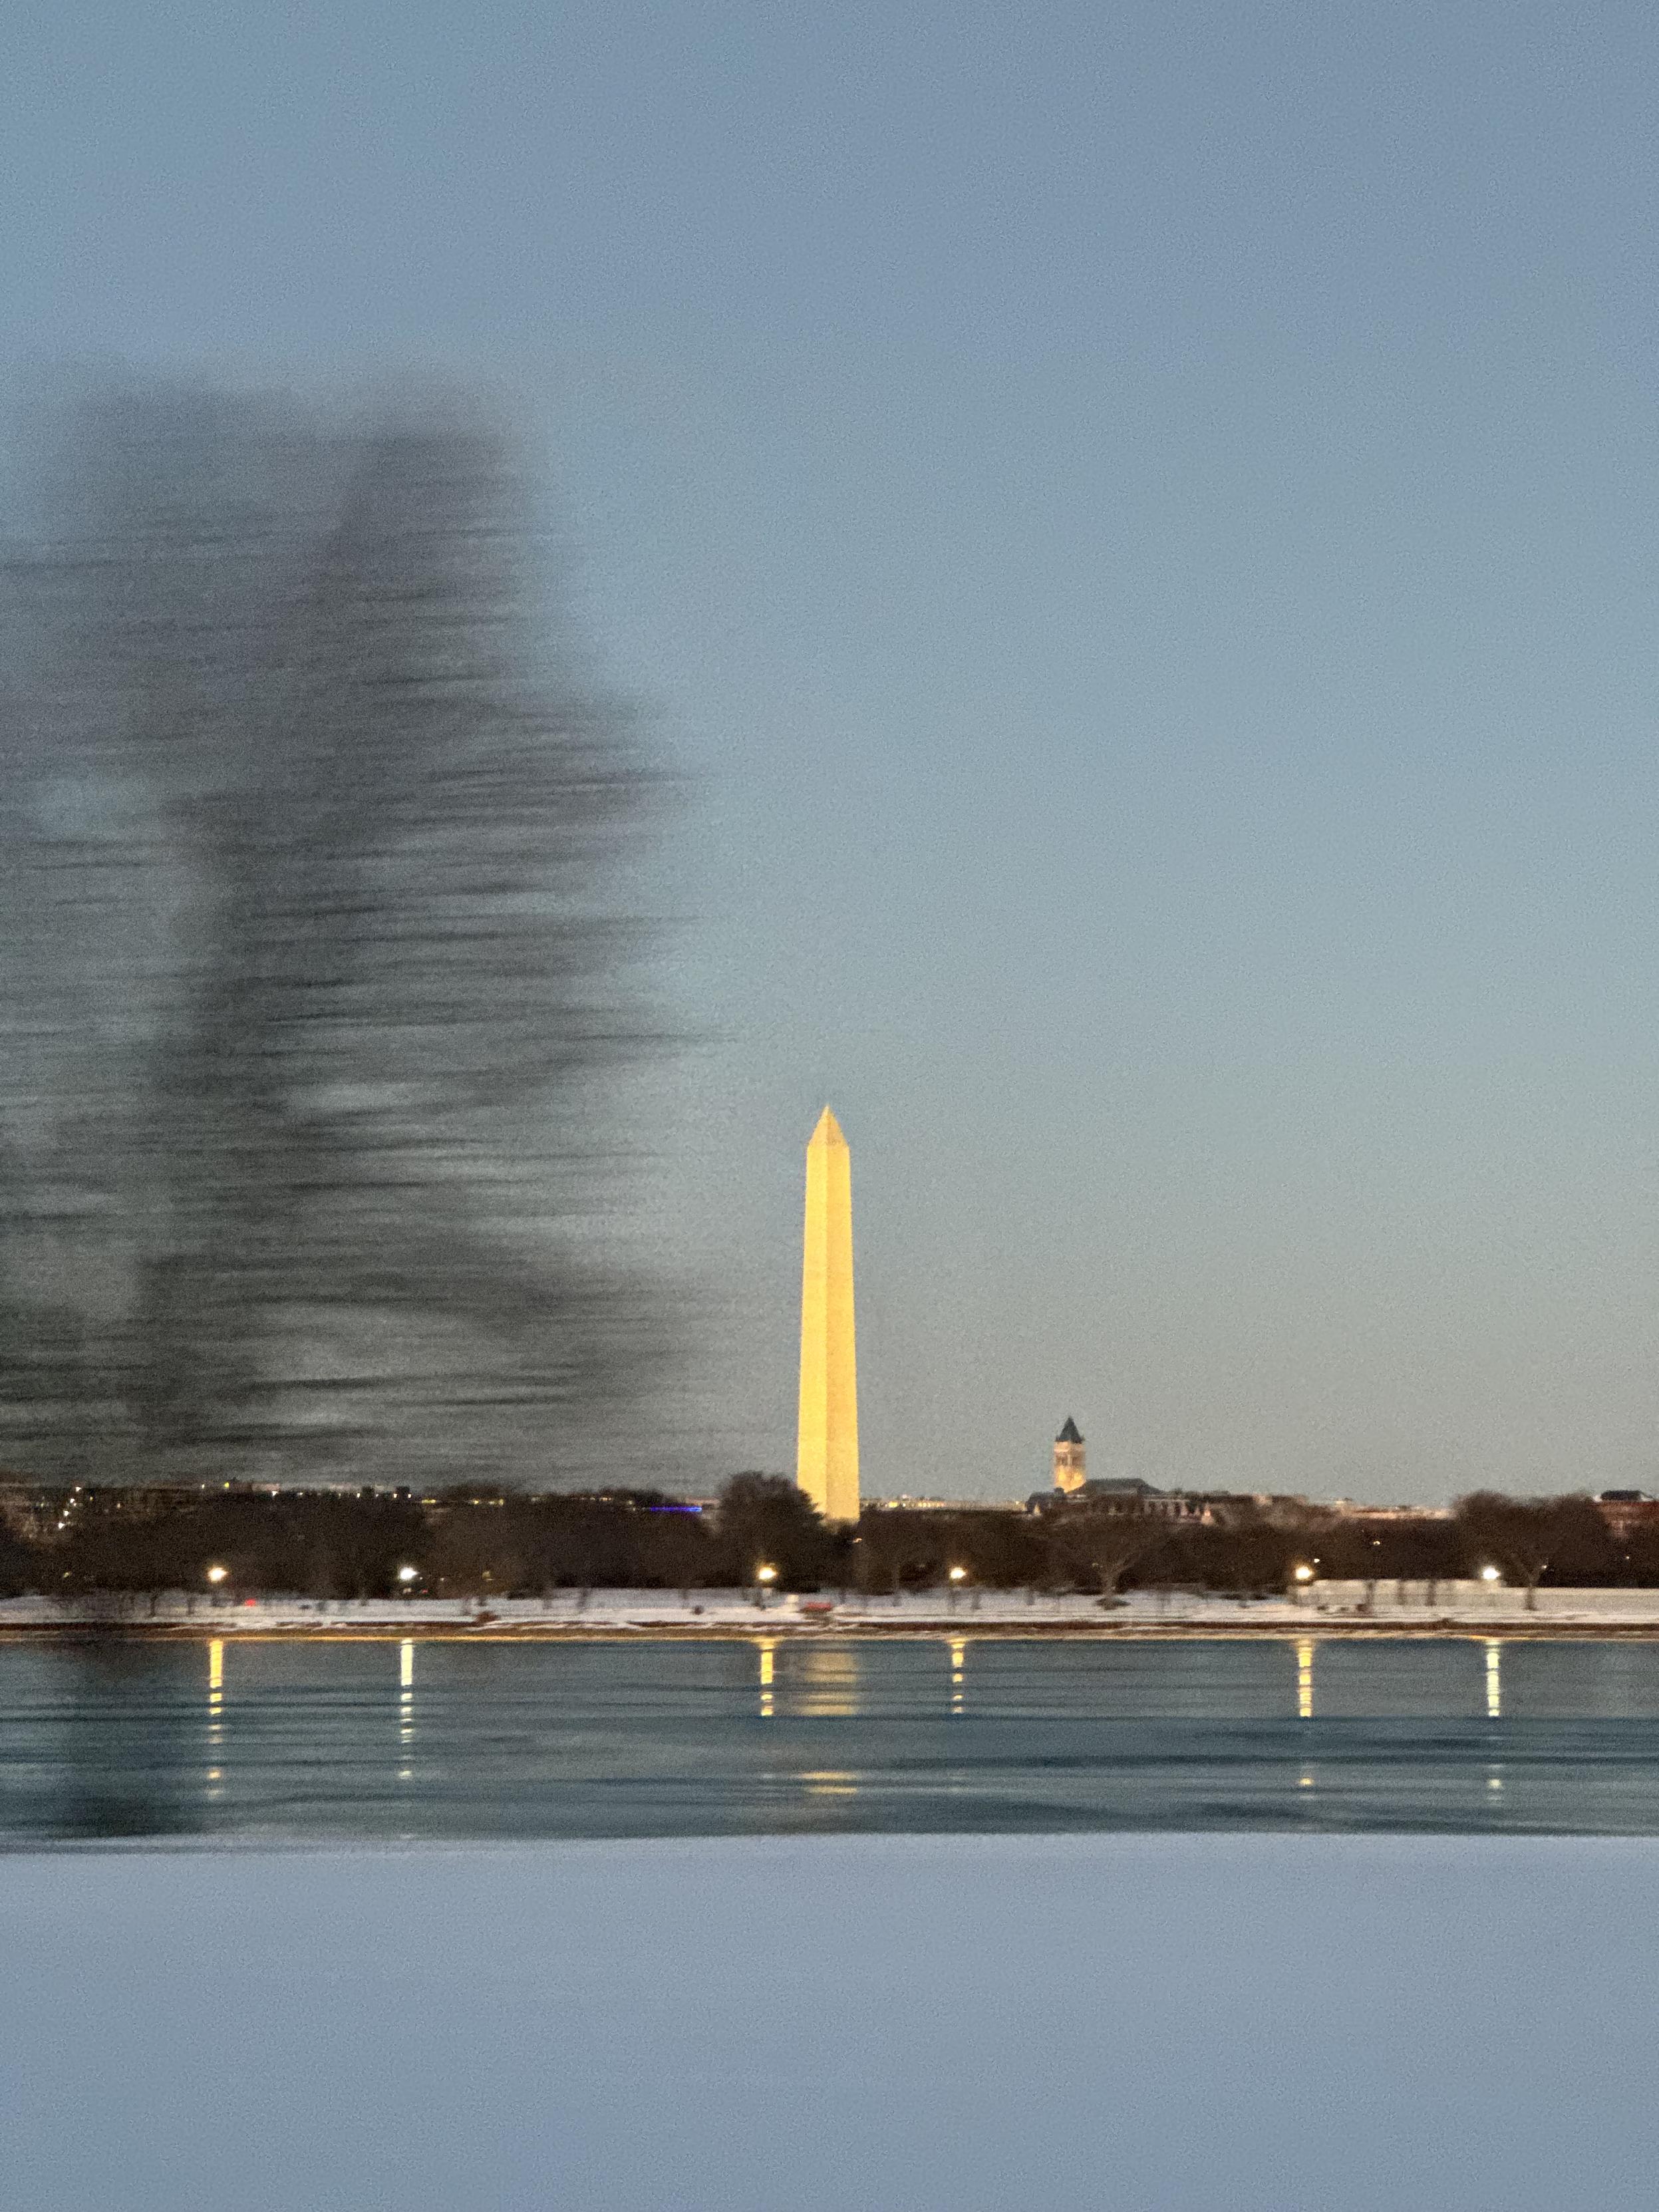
x=964, y=2024
x=314, y=977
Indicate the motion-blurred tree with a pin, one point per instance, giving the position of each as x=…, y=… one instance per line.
x=314, y=974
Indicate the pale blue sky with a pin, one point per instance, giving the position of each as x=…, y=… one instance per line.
x=1141, y=520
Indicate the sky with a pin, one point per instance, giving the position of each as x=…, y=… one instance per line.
x=1135, y=526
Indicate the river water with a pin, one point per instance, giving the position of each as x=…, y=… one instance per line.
x=295, y=1740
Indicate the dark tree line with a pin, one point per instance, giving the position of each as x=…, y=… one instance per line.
x=126, y=1542
x=311, y=973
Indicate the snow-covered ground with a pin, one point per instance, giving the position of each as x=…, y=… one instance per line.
x=1327, y=1608
x=870, y=2024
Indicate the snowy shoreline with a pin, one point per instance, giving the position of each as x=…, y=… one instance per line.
x=1331, y=1610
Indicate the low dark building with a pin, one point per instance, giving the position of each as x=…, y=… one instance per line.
x=1625, y=1512
x=1124, y=1495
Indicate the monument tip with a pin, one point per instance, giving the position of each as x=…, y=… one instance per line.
x=827, y=1130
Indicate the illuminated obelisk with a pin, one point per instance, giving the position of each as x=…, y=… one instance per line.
x=827, y=1461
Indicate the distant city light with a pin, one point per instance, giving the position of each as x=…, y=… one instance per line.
x=1303, y=1573
x=217, y=1574
x=409, y=1574
x=958, y=1574
x=766, y=1574
x=1491, y=1575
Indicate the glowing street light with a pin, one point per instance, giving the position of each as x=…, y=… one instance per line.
x=407, y=1575
x=217, y=1575
x=1305, y=1574
x=1491, y=1575
x=958, y=1574
x=765, y=1576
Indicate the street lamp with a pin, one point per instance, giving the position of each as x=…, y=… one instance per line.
x=216, y=1576
x=765, y=1576
x=1491, y=1575
x=956, y=1577
x=1305, y=1574
x=407, y=1575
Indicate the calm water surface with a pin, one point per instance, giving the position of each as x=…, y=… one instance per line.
x=445, y=1739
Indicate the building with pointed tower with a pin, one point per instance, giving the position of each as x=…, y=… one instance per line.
x=827, y=1458
x=1068, y=1458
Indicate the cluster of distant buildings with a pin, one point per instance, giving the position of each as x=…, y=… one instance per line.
x=1127, y=1496
x=1624, y=1510
x=1073, y=1489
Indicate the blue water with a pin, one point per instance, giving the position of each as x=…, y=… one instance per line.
x=450, y=1739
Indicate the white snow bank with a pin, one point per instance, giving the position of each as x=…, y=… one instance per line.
x=1465, y=1605
x=1257, y=2024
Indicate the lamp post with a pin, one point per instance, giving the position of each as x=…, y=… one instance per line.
x=956, y=1578
x=1302, y=1574
x=765, y=1576
x=407, y=1577
x=217, y=1577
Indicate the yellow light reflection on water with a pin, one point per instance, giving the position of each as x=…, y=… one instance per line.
x=827, y=1782
x=1494, y=1681
x=406, y=1701
x=828, y=1681
x=1304, y=1655
x=216, y=1712
x=958, y=1664
x=768, y=1648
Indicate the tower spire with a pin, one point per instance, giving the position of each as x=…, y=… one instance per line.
x=1068, y=1457
x=827, y=1461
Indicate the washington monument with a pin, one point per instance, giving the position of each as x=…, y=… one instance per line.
x=827, y=1462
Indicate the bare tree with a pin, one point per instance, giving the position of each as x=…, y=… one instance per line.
x=1097, y=1549
x=1527, y=1537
